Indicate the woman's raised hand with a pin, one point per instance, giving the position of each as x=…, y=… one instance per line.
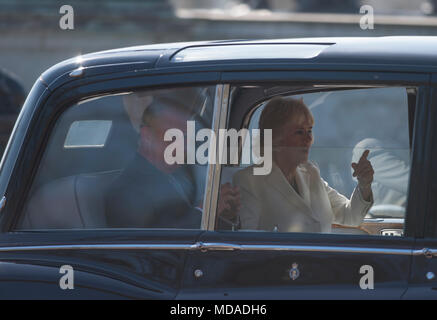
x=363, y=170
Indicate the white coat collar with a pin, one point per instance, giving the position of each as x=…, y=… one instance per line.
x=302, y=199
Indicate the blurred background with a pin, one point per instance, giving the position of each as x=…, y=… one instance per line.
x=31, y=39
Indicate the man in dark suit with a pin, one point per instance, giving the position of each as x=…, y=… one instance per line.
x=152, y=193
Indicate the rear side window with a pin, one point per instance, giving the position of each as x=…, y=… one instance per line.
x=118, y=161
x=313, y=184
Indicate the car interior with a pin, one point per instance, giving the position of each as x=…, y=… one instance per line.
x=68, y=191
x=247, y=102
x=91, y=144
x=94, y=140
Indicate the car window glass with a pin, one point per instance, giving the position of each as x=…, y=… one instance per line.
x=88, y=134
x=120, y=161
x=323, y=194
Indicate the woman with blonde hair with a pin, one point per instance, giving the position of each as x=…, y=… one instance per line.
x=293, y=197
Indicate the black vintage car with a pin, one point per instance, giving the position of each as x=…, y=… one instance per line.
x=90, y=210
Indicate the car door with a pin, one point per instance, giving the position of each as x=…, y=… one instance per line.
x=112, y=265
x=423, y=284
x=347, y=264
x=71, y=144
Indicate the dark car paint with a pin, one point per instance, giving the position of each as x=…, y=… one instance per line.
x=264, y=274
x=103, y=273
x=430, y=227
x=420, y=286
x=383, y=54
x=236, y=274
x=33, y=279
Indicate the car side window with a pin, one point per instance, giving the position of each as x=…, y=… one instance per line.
x=339, y=162
x=119, y=161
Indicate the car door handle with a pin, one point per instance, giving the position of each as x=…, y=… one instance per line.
x=216, y=246
x=429, y=253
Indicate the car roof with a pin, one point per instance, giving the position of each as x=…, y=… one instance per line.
x=402, y=45
x=419, y=51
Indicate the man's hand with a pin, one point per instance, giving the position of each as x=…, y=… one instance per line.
x=229, y=202
x=363, y=170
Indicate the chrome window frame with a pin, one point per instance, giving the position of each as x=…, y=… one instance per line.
x=212, y=186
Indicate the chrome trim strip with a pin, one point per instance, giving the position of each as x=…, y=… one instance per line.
x=77, y=72
x=230, y=246
x=102, y=247
x=328, y=249
x=218, y=167
x=214, y=170
x=428, y=253
x=210, y=176
x=2, y=203
x=212, y=246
